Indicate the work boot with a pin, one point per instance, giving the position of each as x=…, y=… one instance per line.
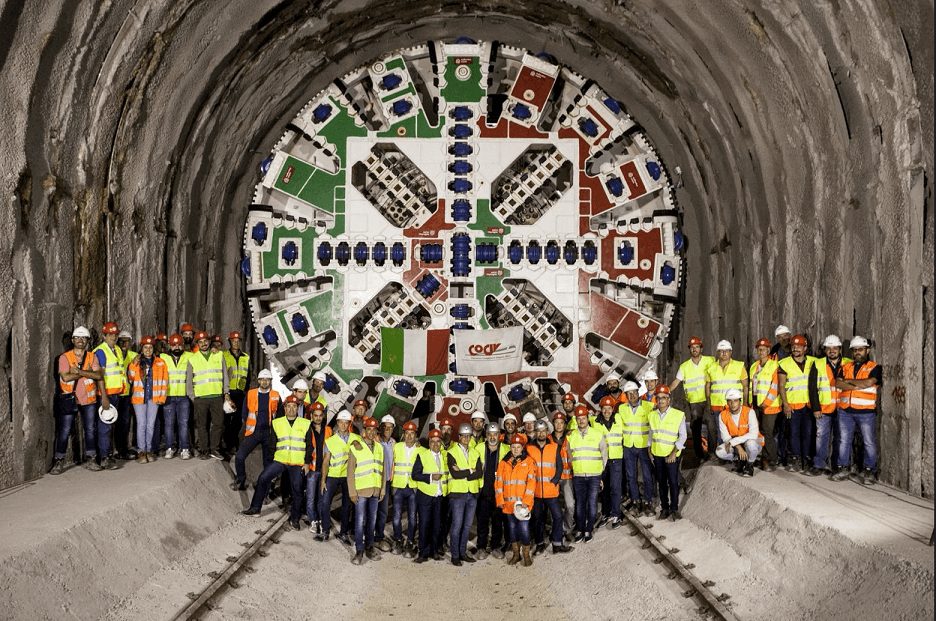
x=482, y=554
x=515, y=547
x=797, y=464
x=372, y=553
x=539, y=549
x=456, y=562
x=250, y=511
x=343, y=538
x=738, y=466
x=410, y=550
x=238, y=486
x=295, y=525
x=648, y=508
x=867, y=477
x=109, y=463
x=141, y=457
x=812, y=472
x=92, y=465
x=398, y=547
x=58, y=466
x=383, y=545
x=467, y=558
x=840, y=474
x=558, y=549
x=527, y=561
x=674, y=515
x=748, y=470
x=664, y=513
x=358, y=558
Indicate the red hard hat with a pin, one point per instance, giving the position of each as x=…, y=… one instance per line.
x=445, y=422
x=694, y=340
x=147, y=340
x=435, y=433
x=235, y=335
x=216, y=338
x=410, y=426
x=559, y=416
x=359, y=402
x=316, y=405
x=662, y=389
x=762, y=343
x=186, y=327
x=175, y=339
x=110, y=328
x=568, y=397
x=161, y=336
x=518, y=438
x=799, y=339
x=370, y=422
x=291, y=399
x=581, y=410
x=200, y=335
x=609, y=401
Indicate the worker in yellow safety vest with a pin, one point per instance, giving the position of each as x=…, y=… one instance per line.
x=403, y=489
x=667, y=440
x=204, y=382
x=335, y=477
x=238, y=365
x=291, y=439
x=764, y=398
x=430, y=473
x=826, y=413
x=634, y=413
x=177, y=408
x=797, y=385
x=365, y=489
x=691, y=375
x=110, y=358
x=588, y=453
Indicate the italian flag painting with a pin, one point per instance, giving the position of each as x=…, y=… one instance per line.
x=414, y=352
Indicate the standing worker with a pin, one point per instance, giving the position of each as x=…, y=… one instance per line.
x=204, y=381
x=125, y=413
x=429, y=472
x=565, y=481
x=514, y=494
x=490, y=518
x=403, y=487
x=635, y=416
x=149, y=378
x=238, y=363
x=667, y=439
x=692, y=374
x=80, y=378
x=465, y=471
x=724, y=375
x=385, y=437
x=798, y=390
x=290, y=437
x=588, y=453
x=782, y=349
x=859, y=382
x=549, y=465
x=827, y=369
x=365, y=489
x=335, y=477
x=320, y=433
x=608, y=422
x=765, y=399
x=262, y=403
x=478, y=422
x=110, y=358
x=177, y=407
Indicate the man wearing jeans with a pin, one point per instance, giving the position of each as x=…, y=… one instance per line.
x=365, y=489
x=796, y=378
x=320, y=435
x=403, y=488
x=858, y=382
x=588, y=453
x=634, y=414
x=490, y=518
x=826, y=410
x=548, y=457
x=177, y=408
x=81, y=375
x=609, y=423
x=667, y=440
x=464, y=466
x=385, y=437
x=335, y=477
x=262, y=403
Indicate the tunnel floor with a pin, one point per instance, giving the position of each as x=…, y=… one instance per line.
x=137, y=541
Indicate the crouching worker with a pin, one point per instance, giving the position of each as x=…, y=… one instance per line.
x=291, y=437
x=740, y=436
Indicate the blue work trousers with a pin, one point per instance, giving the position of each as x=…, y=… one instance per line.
x=332, y=486
x=176, y=411
x=826, y=426
x=269, y=474
x=463, y=511
x=518, y=531
x=865, y=422
x=586, y=502
x=260, y=437
x=540, y=507
x=429, y=509
x=64, y=424
x=611, y=492
x=365, y=517
x=404, y=498
x=668, y=477
x=633, y=457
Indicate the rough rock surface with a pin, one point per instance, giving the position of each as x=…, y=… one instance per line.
x=133, y=132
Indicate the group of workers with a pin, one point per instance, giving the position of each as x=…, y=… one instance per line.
x=514, y=478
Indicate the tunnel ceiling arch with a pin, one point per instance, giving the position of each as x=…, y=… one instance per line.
x=462, y=185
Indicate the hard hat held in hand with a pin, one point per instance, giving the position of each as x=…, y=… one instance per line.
x=108, y=415
x=521, y=512
x=229, y=407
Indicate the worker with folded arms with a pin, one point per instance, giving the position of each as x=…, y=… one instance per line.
x=81, y=378
x=464, y=465
x=149, y=380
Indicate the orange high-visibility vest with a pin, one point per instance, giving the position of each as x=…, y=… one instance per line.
x=90, y=385
x=326, y=435
x=763, y=386
x=252, y=405
x=742, y=427
x=864, y=399
x=566, y=462
x=160, y=381
x=515, y=482
x=546, y=465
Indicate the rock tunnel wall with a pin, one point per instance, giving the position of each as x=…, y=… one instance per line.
x=134, y=132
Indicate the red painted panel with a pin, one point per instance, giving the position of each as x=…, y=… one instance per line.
x=531, y=80
x=632, y=336
x=632, y=178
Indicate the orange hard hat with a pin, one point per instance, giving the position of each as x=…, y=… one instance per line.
x=581, y=410
x=568, y=397
x=410, y=426
x=147, y=340
x=799, y=339
x=662, y=389
x=291, y=399
x=316, y=405
x=201, y=334
x=186, y=327
x=609, y=401
x=445, y=422
x=216, y=338
x=110, y=328
x=161, y=336
x=175, y=339
x=694, y=340
x=518, y=438
x=235, y=335
x=559, y=416
x=370, y=422
x=359, y=402
x=435, y=433
x=762, y=343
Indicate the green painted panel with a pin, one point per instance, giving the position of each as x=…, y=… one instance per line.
x=321, y=311
x=395, y=63
x=469, y=90
x=486, y=219
x=425, y=130
x=298, y=177
x=339, y=227
x=286, y=327
x=385, y=401
x=306, y=261
x=339, y=129
x=409, y=90
x=408, y=124
x=348, y=375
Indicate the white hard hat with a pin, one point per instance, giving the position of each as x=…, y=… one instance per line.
x=124, y=335
x=832, y=341
x=859, y=341
x=613, y=378
x=81, y=331
x=300, y=385
x=529, y=418
x=723, y=345
x=650, y=375
x=319, y=375
x=343, y=415
x=265, y=374
x=388, y=419
x=109, y=415
x=733, y=393
x=478, y=414
x=228, y=407
x=510, y=417
x=781, y=329
x=521, y=512
x=629, y=386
